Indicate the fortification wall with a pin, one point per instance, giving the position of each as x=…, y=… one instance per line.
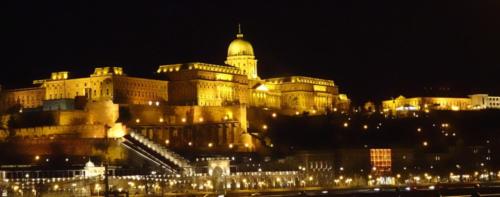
x=83, y=131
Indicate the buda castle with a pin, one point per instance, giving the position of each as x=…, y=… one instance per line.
x=188, y=103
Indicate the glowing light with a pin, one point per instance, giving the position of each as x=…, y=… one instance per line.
x=274, y=115
x=161, y=120
x=190, y=143
x=37, y=157
x=425, y=143
x=365, y=127
x=167, y=142
x=246, y=145
x=346, y=124
x=150, y=103
x=230, y=145
x=264, y=127
x=157, y=103
x=419, y=129
x=137, y=120
x=183, y=119
x=297, y=113
x=200, y=119
x=210, y=145
x=263, y=88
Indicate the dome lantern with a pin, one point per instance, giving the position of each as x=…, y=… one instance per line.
x=239, y=46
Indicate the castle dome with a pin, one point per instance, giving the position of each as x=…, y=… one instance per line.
x=240, y=47
x=89, y=164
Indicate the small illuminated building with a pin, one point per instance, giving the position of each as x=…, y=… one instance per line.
x=403, y=104
x=485, y=101
x=218, y=166
x=90, y=170
x=381, y=161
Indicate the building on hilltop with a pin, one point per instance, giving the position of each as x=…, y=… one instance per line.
x=473, y=102
x=191, y=104
x=238, y=82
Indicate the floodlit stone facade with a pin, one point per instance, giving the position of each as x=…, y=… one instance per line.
x=187, y=104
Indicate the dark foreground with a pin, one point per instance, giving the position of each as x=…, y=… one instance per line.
x=454, y=191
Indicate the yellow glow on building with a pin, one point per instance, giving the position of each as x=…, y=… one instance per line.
x=117, y=131
x=59, y=75
x=263, y=88
x=426, y=104
x=223, y=77
x=319, y=88
x=189, y=93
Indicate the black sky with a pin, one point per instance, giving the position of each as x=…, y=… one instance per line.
x=371, y=49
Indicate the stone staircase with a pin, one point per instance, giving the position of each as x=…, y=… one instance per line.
x=157, y=153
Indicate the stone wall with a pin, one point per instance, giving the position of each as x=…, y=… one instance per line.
x=83, y=131
x=186, y=115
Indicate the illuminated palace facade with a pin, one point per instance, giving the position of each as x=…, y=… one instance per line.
x=237, y=82
x=188, y=103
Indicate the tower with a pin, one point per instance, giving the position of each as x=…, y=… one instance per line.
x=240, y=54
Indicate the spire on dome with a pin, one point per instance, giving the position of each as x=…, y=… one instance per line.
x=239, y=35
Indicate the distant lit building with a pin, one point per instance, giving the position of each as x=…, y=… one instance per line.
x=381, y=161
x=485, y=101
x=474, y=102
x=402, y=104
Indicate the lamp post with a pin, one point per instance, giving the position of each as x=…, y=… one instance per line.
x=106, y=179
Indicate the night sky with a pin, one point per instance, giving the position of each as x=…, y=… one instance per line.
x=371, y=49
